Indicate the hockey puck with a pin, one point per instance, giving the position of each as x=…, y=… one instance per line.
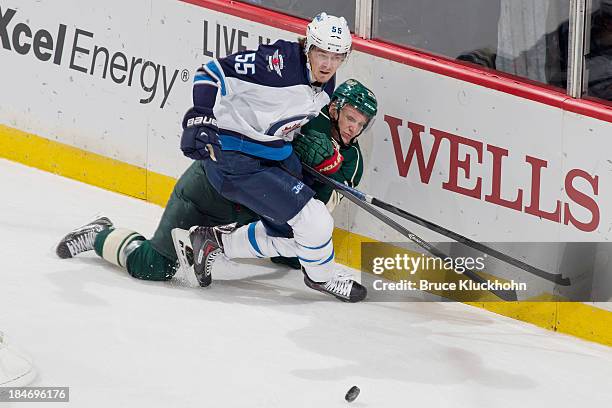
x=352, y=394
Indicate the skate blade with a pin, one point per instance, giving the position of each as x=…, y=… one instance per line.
x=181, y=240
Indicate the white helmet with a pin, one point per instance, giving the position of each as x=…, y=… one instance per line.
x=329, y=33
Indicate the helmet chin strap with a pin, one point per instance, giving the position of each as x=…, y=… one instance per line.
x=314, y=83
x=336, y=133
x=311, y=79
x=308, y=69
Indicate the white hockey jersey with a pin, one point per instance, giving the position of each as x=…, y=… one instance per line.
x=260, y=98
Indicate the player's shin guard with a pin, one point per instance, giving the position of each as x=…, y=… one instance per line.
x=252, y=241
x=312, y=229
x=117, y=245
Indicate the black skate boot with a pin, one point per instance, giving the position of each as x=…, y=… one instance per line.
x=342, y=286
x=82, y=239
x=207, y=246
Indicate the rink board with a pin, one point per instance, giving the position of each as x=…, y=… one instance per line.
x=97, y=93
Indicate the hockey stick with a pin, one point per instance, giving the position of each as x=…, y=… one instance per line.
x=508, y=295
x=555, y=278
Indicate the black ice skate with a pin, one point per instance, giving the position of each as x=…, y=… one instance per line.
x=207, y=246
x=342, y=286
x=82, y=239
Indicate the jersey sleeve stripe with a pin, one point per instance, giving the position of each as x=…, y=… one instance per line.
x=216, y=73
x=200, y=79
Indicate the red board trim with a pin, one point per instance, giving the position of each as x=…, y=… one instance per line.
x=418, y=59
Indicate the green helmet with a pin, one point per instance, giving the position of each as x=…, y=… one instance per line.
x=356, y=94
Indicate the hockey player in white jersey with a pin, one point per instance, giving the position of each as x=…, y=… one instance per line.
x=247, y=107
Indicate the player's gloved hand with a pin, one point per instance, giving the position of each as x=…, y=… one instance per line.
x=319, y=151
x=200, y=139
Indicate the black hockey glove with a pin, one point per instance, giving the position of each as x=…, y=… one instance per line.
x=200, y=138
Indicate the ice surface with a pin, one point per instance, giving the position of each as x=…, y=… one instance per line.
x=258, y=337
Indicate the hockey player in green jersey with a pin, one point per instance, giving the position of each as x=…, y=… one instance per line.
x=328, y=143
